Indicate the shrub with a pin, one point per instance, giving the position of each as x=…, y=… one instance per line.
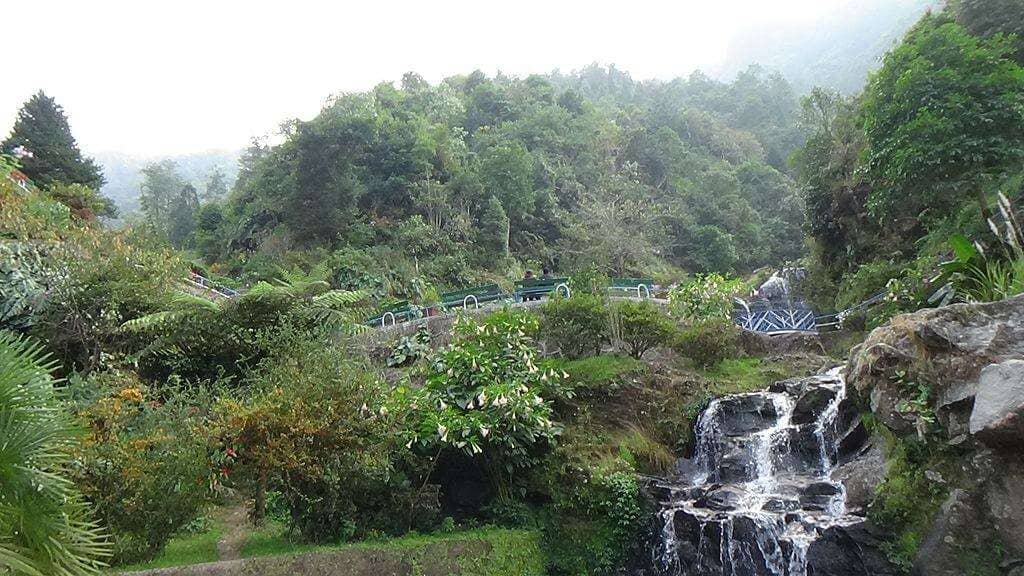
x=143, y=464
x=45, y=526
x=595, y=519
x=319, y=429
x=906, y=501
x=709, y=342
x=410, y=349
x=708, y=297
x=640, y=326
x=578, y=326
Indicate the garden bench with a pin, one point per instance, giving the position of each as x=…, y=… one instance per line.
x=478, y=295
x=534, y=289
x=642, y=286
x=394, y=314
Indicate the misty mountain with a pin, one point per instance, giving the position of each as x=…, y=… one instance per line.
x=124, y=172
x=837, y=51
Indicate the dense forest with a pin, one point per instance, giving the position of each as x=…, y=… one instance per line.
x=141, y=412
x=485, y=176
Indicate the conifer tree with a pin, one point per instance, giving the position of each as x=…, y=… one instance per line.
x=43, y=130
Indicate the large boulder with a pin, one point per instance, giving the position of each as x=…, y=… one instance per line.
x=964, y=364
x=862, y=475
x=997, y=418
x=853, y=550
x=953, y=530
x=811, y=405
x=950, y=346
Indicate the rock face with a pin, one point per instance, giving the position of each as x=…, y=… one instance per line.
x=964, y=364
x=759, y=497
x=950, y=347
x=997, y=418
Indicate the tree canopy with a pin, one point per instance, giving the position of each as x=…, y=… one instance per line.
x=52, y=156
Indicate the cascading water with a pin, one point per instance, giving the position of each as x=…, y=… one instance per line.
x=758, y=491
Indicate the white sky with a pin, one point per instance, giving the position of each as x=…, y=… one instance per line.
x=150, y=78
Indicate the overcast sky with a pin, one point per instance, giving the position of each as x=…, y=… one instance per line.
x=150, y=77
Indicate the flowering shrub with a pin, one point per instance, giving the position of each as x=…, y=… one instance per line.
x=486, y=395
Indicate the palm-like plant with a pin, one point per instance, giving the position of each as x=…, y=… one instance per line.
x=309, y=297
x=46, y=527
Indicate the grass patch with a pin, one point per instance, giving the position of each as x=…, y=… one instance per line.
x=184, y=549
x=513, y=552
x=270, y=539
x=599, y=373
x=739, y=375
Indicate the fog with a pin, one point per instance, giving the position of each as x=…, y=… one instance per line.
x=155, y=78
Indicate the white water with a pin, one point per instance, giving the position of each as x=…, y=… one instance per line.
x=764, y=521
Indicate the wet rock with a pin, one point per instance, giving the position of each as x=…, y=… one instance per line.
x=997, y=418
x=801, y=453
x=778, y=505
x=726, y=498
x=686, y=468
x=853, y=550
x=812, y=404
x=742, y=415
x=793, y=386
x=819, y=496
x=660, y=493
x=862, y=476
x=735, y=465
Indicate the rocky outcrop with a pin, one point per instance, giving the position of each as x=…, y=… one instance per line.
x=997, y=418
x=852, y=550
x=953, y=376
x=945, y=349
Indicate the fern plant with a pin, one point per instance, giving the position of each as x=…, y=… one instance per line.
x=46, y=527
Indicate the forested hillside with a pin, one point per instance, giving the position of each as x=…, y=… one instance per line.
x=480, y=176
x=925, y=162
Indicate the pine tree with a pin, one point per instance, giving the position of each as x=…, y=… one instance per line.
x=42, y=128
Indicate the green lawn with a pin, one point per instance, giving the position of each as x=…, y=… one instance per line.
x=184, y=549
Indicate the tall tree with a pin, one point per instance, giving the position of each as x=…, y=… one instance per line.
x=43, y=130
x=161, y=185
x=216, y=186
x=182, y=216
x=945, y=110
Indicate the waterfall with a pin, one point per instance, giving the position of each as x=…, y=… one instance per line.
x=758, y=491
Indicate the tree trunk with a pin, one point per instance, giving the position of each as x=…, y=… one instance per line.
x=259, y=507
